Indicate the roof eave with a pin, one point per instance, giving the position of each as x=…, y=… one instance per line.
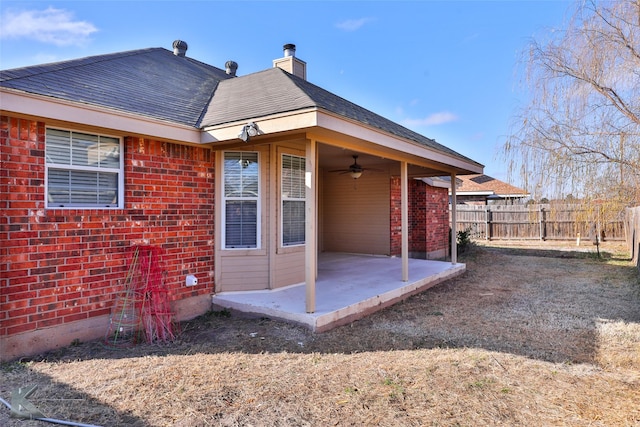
x=435, y=182
x=320, y=122
x=474, y=193
x=406, y=146
x=509, y=196
x=271, y=124
x=33, y=105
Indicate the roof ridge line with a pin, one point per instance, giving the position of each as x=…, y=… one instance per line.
x=293, y=80
x=80, y=62
x=203, y=113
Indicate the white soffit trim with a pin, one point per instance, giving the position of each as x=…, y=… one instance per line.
x=266, y=125
x=474, y=193
x=376, y=136
x=85, y=114
x=440, y=183
x=313, y=117
x=511, y=195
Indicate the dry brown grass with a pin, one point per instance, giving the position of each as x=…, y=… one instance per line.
x=528, y=336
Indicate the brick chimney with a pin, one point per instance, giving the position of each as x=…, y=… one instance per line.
x=290, y=63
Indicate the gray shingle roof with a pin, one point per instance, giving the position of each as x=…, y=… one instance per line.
x=152, y=82
x=255, y=95
x=276, y=91
x=158, y=84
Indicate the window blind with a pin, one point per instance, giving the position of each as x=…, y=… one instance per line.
x=83, y=170
x=241, y=196
x=293, y=200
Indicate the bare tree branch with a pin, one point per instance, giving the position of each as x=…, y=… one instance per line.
x=580, y=131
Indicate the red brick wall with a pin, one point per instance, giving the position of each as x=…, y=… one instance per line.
x=417, y=216
x=396, y=216
x=428, y=219
x=436, y=219
x=65, y=265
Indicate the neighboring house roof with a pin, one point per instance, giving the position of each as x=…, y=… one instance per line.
x=150, y=82
x=484, y=185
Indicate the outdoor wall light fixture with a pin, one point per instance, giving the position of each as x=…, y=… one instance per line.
x=248, y=130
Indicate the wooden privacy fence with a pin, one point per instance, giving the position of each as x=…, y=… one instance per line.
x=632, y=231
x=540, y=222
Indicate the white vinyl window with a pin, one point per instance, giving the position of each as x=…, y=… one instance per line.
x=241, y=200
x=293, y=200
x=83, y=170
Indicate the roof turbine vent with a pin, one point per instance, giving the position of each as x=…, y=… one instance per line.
x=180, y=48
x=231, y=67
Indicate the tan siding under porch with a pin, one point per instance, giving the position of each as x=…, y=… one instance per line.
x=244, y=269
x=356, y=213
x=289, y=268
x=243, y=273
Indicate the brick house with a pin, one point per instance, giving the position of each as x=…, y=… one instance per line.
x=241, y=180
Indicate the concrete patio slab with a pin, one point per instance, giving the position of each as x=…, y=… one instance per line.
x=348, y=288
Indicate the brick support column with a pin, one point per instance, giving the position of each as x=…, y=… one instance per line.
x=396, y=217
x=428, y=220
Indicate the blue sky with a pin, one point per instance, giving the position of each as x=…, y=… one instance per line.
x=449, y=70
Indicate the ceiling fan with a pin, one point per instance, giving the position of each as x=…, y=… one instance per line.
x=355, y=170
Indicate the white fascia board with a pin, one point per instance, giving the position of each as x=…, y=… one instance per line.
x=313, y=117
x=266, y=125
x=474, y=193
x=439, y=183
x=90, y=115
x=376, y=136
x=510, y=196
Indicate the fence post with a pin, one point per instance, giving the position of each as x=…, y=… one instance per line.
x=486, y=223
x=601, y=224
x=542, y=222
x=636, y=218
x=629, y=235
x=629, y=229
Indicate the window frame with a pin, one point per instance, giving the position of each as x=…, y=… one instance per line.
x=284, y=199
x=50, y=165
x=257, y=199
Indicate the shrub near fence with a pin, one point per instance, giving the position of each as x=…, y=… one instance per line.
x=539, y=222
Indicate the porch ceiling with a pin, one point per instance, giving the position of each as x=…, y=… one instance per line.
x=331, y=157
x=344, y=135
x=348, y=287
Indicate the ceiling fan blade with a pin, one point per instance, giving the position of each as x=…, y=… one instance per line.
x=355, y=168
